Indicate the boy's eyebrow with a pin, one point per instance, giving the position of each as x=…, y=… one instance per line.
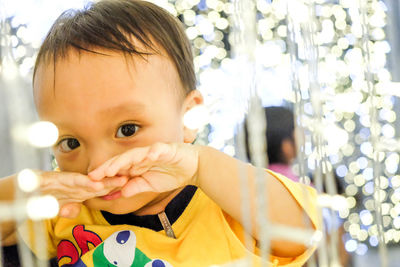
x=132, y=107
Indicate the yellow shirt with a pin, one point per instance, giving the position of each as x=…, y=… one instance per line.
x=205, y=236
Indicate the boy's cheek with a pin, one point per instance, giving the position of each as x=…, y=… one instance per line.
x=66, y=165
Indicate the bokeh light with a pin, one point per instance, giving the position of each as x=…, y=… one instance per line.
x=42, y=134
x=42, y=207
x=28, y=181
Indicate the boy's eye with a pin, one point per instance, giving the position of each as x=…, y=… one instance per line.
x=68, y=144
x=127, y=130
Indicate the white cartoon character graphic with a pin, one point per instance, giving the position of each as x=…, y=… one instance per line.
x=119, y=250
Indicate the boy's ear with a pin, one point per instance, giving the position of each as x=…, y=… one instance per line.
x=193, y=99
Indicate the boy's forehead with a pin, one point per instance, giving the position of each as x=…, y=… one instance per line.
x=81, y=70
x=53, y=65
x=72, y=56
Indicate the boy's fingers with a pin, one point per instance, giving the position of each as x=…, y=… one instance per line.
x=118, y=181
x=157, y=150
x=136, y=186
x=122, y=162
x=126, y=160
x=108, y=185
x=98, y=173
x=141, y=158
x=124, y=172
x=85, y=182
x=66, y=182
x=137, y=171
x=101, y=171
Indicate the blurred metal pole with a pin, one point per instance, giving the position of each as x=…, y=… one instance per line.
x=244, y=43
x=19, y=111
x=392, y=31
x=374, y=137
x=303, y=51
x=393, y=36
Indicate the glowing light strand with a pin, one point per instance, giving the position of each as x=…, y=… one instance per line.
x=244, y=42
x=374, y=134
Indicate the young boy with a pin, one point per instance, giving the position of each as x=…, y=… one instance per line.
x=117, y=79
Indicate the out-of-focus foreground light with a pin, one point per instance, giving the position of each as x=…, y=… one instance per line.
x=43, y=207
x=42, y=134
x=196, y=117
x=317, y=237
x=28, y=181
x=335, y=202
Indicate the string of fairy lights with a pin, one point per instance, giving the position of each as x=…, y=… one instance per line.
x=346, y=115
x=344, y=96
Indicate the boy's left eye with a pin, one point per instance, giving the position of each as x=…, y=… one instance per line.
x=127, y=130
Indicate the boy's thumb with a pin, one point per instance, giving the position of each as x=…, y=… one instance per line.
x=70, y=210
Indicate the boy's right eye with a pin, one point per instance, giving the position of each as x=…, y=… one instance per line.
x=68, y=144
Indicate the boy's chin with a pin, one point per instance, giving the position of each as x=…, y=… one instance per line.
x=121, y=205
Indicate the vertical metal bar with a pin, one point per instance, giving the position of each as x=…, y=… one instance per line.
x=1, y=247
x=245, y=198
x=244, y=36
x=306, y=31
x=311, y=54
x=2, y=24
x=40, y=244
x=374, y=132
x=25, y=255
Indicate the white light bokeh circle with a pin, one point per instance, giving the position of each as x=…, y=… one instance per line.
x=28, y=181
x=44, y=207
x=197, y=117
x=42, y=134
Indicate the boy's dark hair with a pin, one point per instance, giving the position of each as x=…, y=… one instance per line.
x=280, y=126
x=111, y=24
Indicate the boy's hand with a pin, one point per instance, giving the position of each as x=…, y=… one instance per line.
x=157, y=168
x=71, y=189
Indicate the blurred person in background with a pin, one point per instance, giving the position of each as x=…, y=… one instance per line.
x=281, y=144
x=281, y=150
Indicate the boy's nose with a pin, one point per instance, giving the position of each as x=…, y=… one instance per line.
x=97, y=157
x=93, y=164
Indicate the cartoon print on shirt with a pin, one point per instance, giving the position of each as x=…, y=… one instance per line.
x=158, y=263
x=120, y=250
x=83, y=237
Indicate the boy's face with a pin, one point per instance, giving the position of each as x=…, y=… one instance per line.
x=104, y=105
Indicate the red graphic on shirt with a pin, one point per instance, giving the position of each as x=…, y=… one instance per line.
x=66, y=249
x=82, y=237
